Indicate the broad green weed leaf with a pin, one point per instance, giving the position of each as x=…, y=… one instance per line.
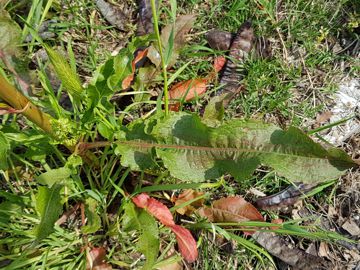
x=49, y=207
x=54, y=176
x=135, y=219
x=149, y=239
x=193, y=151
x=93, y=223
x=4, y=151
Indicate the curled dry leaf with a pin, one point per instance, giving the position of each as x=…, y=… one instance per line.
x=128, y=79
x=186, y=196
x=186, y=242
x=284, y=198
x=95, y=259
x=231, y=209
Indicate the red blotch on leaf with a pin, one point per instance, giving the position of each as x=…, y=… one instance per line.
x=186, y=243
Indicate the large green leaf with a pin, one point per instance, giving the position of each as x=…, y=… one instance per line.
x=48, y=205
x=193, y=151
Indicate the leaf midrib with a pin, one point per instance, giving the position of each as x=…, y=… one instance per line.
x=142, y=144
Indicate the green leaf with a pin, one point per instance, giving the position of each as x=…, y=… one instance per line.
x=214, y=111
x=105, y=131
x=49, y=207
x=66, y=74
x=122, y=68
x=54, y=176
x=4, y=151
x=148, y=244
x=149, y=239
x=194, y=151
x=93, y=220
x=10, y=33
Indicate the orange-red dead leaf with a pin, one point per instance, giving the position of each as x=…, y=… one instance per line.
x=128, y=79
x=154, y=208
x=141, y=200
x=186, y=196
x=160, y=211
x=231, y=209
x=96, y=259
x=219, y=63
x=186, y=243
x=188, y=89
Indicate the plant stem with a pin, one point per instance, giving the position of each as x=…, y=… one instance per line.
x=163, y=64
x=14, y=98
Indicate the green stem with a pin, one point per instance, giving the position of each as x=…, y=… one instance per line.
x=163, y=64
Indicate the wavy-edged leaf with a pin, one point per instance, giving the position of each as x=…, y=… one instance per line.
x=48, y=205
x=193, y=151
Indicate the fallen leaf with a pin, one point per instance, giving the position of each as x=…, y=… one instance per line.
x=128, y=79
x=95, y=259
x=186, y=243
x=155, y=208
x=188, y=89
x=186, y=196
x=183, y=24
x=295, y=257
x=144, y=22
x=219, y=63
x=231, y=209
x=324, y=117
x=115, y=15
x=219, y=40
x=351, y=227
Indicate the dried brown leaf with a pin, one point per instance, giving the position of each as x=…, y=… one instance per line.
x=186, y=196
x=231, y=209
